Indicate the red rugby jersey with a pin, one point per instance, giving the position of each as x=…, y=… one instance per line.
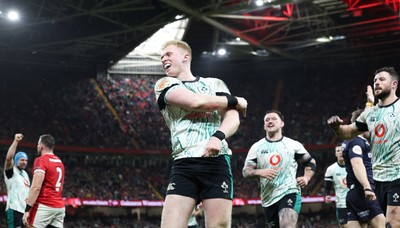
x=53, y=169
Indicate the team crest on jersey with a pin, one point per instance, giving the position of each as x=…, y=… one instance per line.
x=204, y=89
x=372, y=119
x=392, y=116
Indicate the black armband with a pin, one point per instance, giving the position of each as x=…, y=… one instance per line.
x=27, y=208
x=232, y=100
x=219, y=134
x=361, y=126
x=368, y=190
x=328, y=187
x=311, y=165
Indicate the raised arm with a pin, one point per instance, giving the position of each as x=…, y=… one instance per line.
x=9, y=162
x=343, y=131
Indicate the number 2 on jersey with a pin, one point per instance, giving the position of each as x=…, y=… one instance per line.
x=58, y=184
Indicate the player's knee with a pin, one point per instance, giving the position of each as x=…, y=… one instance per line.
x=220, y=224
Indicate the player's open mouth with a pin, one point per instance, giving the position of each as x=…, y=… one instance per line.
x=167, y=65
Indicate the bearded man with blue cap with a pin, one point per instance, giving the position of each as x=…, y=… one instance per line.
x=17, y=182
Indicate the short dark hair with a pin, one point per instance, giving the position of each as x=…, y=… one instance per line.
x=48, y=141
x=389, y=70
x=277, y=112
x=355, y=114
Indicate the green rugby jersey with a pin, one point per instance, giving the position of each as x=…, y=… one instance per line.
x=190, y=130
x=383, y=124
x=337, y=175
x=278, y=155
x=17, y=189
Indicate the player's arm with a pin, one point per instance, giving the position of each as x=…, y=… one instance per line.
x=186, y=99
x=328, y=184
x=229, y=125
x=34, y=191
x=309, y=169
x=250, y=171
x=361, y=175
x=343, y=131
x=9, y=162
x=230, y=122
x=360, y=172
x=36, y=186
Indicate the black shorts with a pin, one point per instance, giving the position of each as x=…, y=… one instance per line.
x=388, y=193
x=202, y=178
x=361, y=209
x=341, y=215
x=292, y=200
x=14, y=218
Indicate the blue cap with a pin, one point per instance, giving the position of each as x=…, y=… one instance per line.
x=18, y=156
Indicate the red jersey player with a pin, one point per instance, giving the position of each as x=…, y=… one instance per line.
x=45, y=205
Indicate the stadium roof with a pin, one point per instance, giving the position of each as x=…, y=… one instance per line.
x=87, y=35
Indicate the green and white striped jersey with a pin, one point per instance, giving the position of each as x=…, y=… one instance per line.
x=337, y=175
x=278, y=155
x=383, y=124
x=190, y=130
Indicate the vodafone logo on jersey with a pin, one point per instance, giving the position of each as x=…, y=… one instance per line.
x=275, y=159
x=380, y=130
x=344, y=182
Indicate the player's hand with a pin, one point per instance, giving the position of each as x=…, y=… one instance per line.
x=25, y=220
x=242, y=105
x=212, y=147
x=370, y=95
x=302, y=181
x=268, y=173
x=334, y=122
x=328, y=199
x=369, y=194
x=18, y=137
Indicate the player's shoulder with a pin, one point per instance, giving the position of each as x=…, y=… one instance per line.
x=332, y=167
x=356, y=141
x=210, y=79
x=292, y=142
x=260, y=142
x=165, y=82
x=213, y=80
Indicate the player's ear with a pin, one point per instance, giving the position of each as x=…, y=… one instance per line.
x=186, y=57
x=282, y=124
x=395, y=83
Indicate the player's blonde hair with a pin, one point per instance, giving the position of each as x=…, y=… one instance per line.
x=179, y=43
